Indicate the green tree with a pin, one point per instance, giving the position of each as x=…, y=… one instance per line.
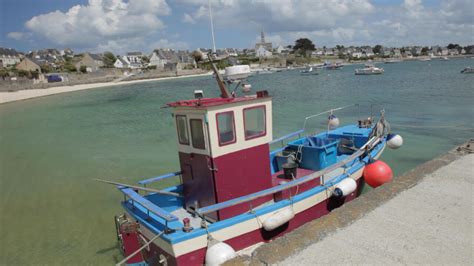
x=424, y=51
x=453, y=46
x=377, y=49
x=109, y=59
x=70, y=67
x=4, y=73
x=45, y=68
x=145, y=59
x=303, y=45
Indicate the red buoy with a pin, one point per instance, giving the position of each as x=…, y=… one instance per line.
x=377, y=173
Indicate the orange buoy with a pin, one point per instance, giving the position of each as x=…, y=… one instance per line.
x=377, y=173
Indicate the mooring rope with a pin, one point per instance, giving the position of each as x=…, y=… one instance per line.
x=140, y=249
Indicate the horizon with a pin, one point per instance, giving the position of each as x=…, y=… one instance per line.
x=123, y=26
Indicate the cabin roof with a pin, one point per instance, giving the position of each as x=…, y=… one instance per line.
x=209, y=102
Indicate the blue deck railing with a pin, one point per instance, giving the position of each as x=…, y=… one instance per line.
x=158, y=178
x=148, y=205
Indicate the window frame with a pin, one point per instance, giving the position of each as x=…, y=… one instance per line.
x=203, y=133
x=233, y=128
x=185, y=127
x=264, y=125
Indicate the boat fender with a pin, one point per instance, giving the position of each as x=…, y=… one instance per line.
x=333, y=121
x=278, y=218
x=218, y=252
x=345, y=187
x=394, y=141
x=377, y=173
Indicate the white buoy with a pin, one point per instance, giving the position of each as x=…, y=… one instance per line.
x=345, y=187
x=278, y=219
x=333, y=122
x=218, y=252
x=394, y=141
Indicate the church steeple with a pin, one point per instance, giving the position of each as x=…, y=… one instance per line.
x=262, y=35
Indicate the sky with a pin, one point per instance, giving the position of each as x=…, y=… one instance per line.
x=143, y=25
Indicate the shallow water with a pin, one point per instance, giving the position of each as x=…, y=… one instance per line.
x=51, y=148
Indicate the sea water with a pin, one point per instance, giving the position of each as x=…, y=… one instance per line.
x=51, y=148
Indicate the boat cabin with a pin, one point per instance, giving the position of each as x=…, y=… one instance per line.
x=223, y=146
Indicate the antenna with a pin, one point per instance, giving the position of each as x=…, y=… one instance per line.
x=212, y=29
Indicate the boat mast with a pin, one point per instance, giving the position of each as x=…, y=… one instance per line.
x=212, y=29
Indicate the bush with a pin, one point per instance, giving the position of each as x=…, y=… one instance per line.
x=70, y=67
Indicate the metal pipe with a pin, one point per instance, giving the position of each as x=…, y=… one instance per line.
x=139, y=188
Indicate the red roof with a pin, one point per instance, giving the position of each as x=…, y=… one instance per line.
x=207, y=102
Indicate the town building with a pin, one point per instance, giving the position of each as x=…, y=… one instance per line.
x=29, y=64
x=9, y=57
x=120, y=63
x=263, y=48
x=93, y=62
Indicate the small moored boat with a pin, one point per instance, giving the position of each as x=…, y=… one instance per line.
x=468, y=70
x=235, y=191
x=369, y=70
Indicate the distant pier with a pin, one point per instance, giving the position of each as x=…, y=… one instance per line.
x=422, y=217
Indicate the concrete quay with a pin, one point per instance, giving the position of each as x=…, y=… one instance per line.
x=422, y=217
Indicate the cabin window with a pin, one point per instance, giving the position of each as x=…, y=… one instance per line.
x=226, y=128
x=181, y=124
x=197, y=134
x=254, y=122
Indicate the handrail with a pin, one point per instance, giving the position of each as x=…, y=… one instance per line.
x=287, y=136
x=158, y=178
x=135, y=197
x=212, y=208
x=326, y=112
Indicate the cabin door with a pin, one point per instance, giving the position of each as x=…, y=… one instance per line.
x=196, y=164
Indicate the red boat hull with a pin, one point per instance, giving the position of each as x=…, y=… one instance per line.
x=197, y=257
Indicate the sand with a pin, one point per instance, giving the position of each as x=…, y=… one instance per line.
x=6, y=97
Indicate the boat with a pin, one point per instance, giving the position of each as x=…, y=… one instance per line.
x=309, y=71
x=467, y=70
x=332, y=66
x=424, y=59
x=369, y=70
x=235, y=191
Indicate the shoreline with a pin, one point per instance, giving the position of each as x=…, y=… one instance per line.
x=8, y=97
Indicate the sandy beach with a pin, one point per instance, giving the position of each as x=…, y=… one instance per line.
x=6, y=97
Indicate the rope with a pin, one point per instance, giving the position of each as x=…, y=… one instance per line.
x=140, y=249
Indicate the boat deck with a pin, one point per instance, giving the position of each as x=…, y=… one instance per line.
x=279, y=178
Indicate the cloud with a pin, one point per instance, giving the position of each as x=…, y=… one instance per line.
x=188, y=19
x=345, y=22
x=165, y=43
x=101, y=22
x=18, y=36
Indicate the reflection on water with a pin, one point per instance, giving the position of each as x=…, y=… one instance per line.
x=51, y=148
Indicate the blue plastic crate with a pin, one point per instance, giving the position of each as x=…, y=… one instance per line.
x=317, y=152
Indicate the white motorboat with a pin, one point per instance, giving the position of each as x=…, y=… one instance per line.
x=369, y=70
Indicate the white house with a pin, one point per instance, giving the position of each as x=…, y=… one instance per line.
x=158, y=61
x=280, y=49
x=120, y=63
x=357, y=54
x=9, y=57
x=262, y=52
x=133, y=59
